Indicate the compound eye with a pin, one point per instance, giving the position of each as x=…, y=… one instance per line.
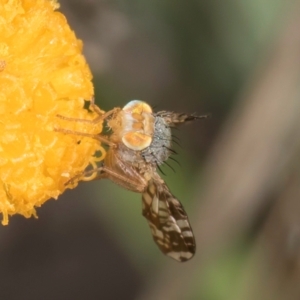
x=136, y=140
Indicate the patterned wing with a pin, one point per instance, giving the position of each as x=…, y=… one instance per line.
x=168, y=222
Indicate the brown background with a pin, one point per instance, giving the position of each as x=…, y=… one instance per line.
x=239, y=178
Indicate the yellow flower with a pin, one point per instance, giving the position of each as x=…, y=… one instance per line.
x=42, y=74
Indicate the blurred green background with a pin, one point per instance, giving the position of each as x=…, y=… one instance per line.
x=185, y=56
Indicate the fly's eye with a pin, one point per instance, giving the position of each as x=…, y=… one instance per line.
x=137, y=107
x=136, y=140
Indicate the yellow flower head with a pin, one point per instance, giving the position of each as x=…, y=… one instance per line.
x=42, y=74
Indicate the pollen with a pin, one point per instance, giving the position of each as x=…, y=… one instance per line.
x=42, y=74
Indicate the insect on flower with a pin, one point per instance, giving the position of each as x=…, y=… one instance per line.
x=141, y=141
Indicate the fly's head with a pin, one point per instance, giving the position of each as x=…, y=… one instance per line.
x=133, y=125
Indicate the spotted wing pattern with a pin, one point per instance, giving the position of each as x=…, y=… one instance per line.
x=168, y=222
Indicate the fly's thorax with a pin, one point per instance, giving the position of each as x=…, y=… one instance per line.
x=134, y=125
x=158, y=151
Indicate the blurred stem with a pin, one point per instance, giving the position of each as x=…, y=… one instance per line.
x=272, y=271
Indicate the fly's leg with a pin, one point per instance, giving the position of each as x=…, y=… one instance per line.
x=89, y=175
x=98, y=137
x=104, y=172
x=101, y=115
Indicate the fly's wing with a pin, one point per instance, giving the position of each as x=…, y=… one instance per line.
x=168, y=222
x=174, y=119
